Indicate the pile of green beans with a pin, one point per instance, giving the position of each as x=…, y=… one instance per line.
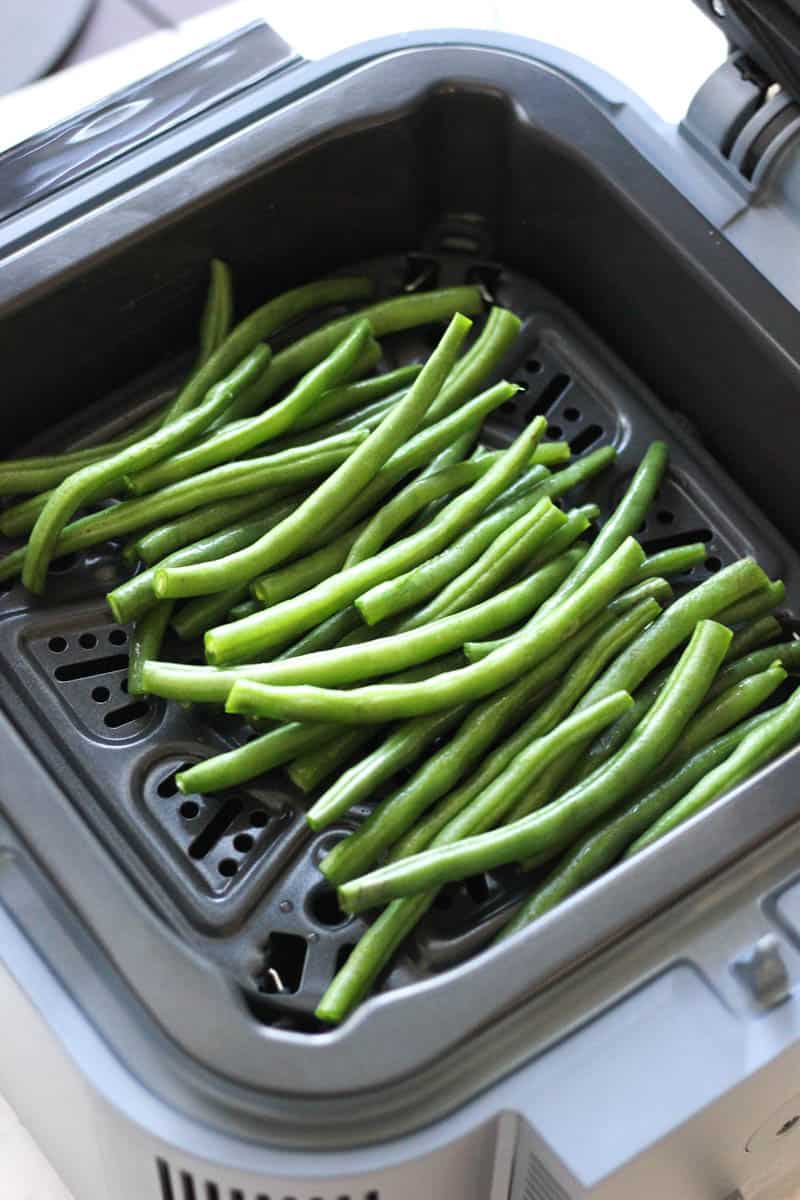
x=342, y=541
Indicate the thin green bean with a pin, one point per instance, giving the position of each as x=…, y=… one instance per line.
x=675, y=561
x=352, y=396
x=754, y=634
x=216, y=320
x=308, y=571
x=148, y=634
x=498, y=334
x=153, y=547
x=757, y=605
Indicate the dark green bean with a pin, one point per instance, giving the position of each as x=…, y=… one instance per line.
x=352, y=396
x=500, y=331
x=87, y=483
x=215, y=323
x=253, y=636
x=331, y=497
x=148, y=634
x=760, y=747
x=754, y=634
x=326, y=635
x=387, y=316
x=758, y=604
x=311, y=769
x=234, y=441
x=308, y=571
x=195, y=617
x=604, y=843
x=257, y=327
x=245, y=609
x=155, y=546
x=547, y=831
x=384, y=702
x=675, y=561
x=435, y=779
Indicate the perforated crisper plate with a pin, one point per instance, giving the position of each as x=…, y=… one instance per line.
x=237, y=873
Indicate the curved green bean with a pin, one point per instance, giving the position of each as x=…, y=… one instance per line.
x=349, y=397
x=436, y=779
x=251, y=637
x=758, y=604
x=498, y=334
x=787, y=653
x=246, y=762
x=754, y=634
x=546, y=831
x=257, y=327
x=234, y=441
x=604, y=843
x=153, y=547
x=760, y=747
x=215, y=322
x=89, y=481
x=384, y=702
x=326, y=501
x=148, y=634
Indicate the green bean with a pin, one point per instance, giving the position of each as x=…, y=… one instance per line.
x=326, y=635
x=756, y=605
x=655, y=589
x=387, y=316
x=234, y=441
x=625, y=520
x=331, y=497
x=413, y=497
x=148, y=634
x=413, y=586
x=89, y=481
x=754, y=634
x=674, y=561
x=577, y=522
x=155, y=546
x=349, y=397
x=760, y=747
x=257, y=327
x=436, y=778
x=309, y=770
x=216, y=320
x=245, y=609
x=368, y=417
x=246, y=762
x=305, y=572
x=726, y=709
x=501, y=559
x=384, y=702
x=195, y=617
x=787, y=653
x=499, y=332
x=219, y=483
x=134, y=597
x=553, y=454
x=257, y=634
x=547, y=831
x=604, y=843
x=348, y=664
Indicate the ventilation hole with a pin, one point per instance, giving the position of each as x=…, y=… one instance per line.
x=212, y=1191
x=57, y=644
x=421, y=273
x=189, y=809
x=444, y=900
x=126, y=715
x=187, y=1183
x=169, y=784
x=258, y=818
x=665, y=517
x=284, y=960
x=586, y=438
x=118, y=637
x=100, y=694
x=59, y=565
x=237, y=1194
x=88, y=641
x=93, y=666
x=533, y=366
x=554, y=431
x=342, y=955
x=123, y=686
x=216, y=827
x=243, y=842
x=165, y=1179
x=654, y=545
x=572, y=414
x=324, y=907
x=643, y=526
x=477, y=887
x=713, y=564
x=554, y=388
x=228, y=867
x=372, y=1196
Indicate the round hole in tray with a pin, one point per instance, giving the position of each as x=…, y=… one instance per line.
x=57, y=644
x=258, y=818
x=88, y=641
x=324, y=906
x=100, y=694
x=124, y=685
x=521, y=384
x=533, y=366
x=713, y=564
x=555, y=432
x=118, y=637
x=572, y=414
x=665, y=517
x=243, y=842
x=228, y=867
x=189, y=809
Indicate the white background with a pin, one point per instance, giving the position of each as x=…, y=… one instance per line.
x=663, y=49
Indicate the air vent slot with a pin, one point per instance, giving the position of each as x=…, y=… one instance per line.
x=217, y=1191
x=540, y=1185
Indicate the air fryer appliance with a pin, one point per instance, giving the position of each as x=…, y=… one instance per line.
x=161, y=955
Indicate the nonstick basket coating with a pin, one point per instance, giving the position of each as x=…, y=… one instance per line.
x=236, y=874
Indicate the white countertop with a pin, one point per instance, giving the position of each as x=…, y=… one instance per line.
x=663, y=49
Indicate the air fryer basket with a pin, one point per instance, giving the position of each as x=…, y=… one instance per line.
x=431, y=168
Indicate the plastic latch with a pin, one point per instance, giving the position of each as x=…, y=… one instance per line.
x=763, y=972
